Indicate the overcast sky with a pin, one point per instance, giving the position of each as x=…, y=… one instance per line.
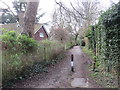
x=49, y=5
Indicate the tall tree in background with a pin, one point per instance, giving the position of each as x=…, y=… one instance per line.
x=64, y=17
x=20, y=8
x=10, y=16
x=6, y=17
x=81, y=14
x=29, y=17
x=60, y=34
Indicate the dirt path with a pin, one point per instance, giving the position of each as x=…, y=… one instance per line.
x=60, y=75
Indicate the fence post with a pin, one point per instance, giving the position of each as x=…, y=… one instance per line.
x=94, y=65
x=72, y=57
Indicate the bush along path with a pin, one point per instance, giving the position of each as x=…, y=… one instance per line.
x=60, y=75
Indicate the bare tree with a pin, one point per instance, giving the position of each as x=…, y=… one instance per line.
x=79, y=16
x=29, y=17
x=58, y=17
x=60, y=34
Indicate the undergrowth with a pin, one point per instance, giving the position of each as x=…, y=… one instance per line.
x=99, y=75
x=36, y=68
x=23, y=56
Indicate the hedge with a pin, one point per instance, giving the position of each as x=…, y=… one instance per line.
x=104, y=38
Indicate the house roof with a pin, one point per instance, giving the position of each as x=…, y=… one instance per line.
x=13, y=26
x=38, y=27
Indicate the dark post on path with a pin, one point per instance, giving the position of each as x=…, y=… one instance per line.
x=72, y=57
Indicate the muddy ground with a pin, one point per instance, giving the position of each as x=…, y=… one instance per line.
x=60, y=75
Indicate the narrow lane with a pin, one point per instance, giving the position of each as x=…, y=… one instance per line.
x=60, y=75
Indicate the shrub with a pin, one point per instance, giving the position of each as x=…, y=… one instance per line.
x=9, y=39
x=70, y=45
x=26, y=44
x=19, y=59
x=21, y=43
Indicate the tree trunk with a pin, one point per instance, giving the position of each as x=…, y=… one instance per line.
x=29, y=18
x=76, y=36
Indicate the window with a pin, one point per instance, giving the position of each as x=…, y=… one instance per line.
x=41, y=35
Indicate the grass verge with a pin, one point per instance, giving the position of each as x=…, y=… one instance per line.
x=101, y=77
x=36, y=68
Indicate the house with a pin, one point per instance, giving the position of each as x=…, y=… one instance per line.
x=39, y=31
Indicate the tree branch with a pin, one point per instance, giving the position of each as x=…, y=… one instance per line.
x=82, y=15
x=9, y=9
